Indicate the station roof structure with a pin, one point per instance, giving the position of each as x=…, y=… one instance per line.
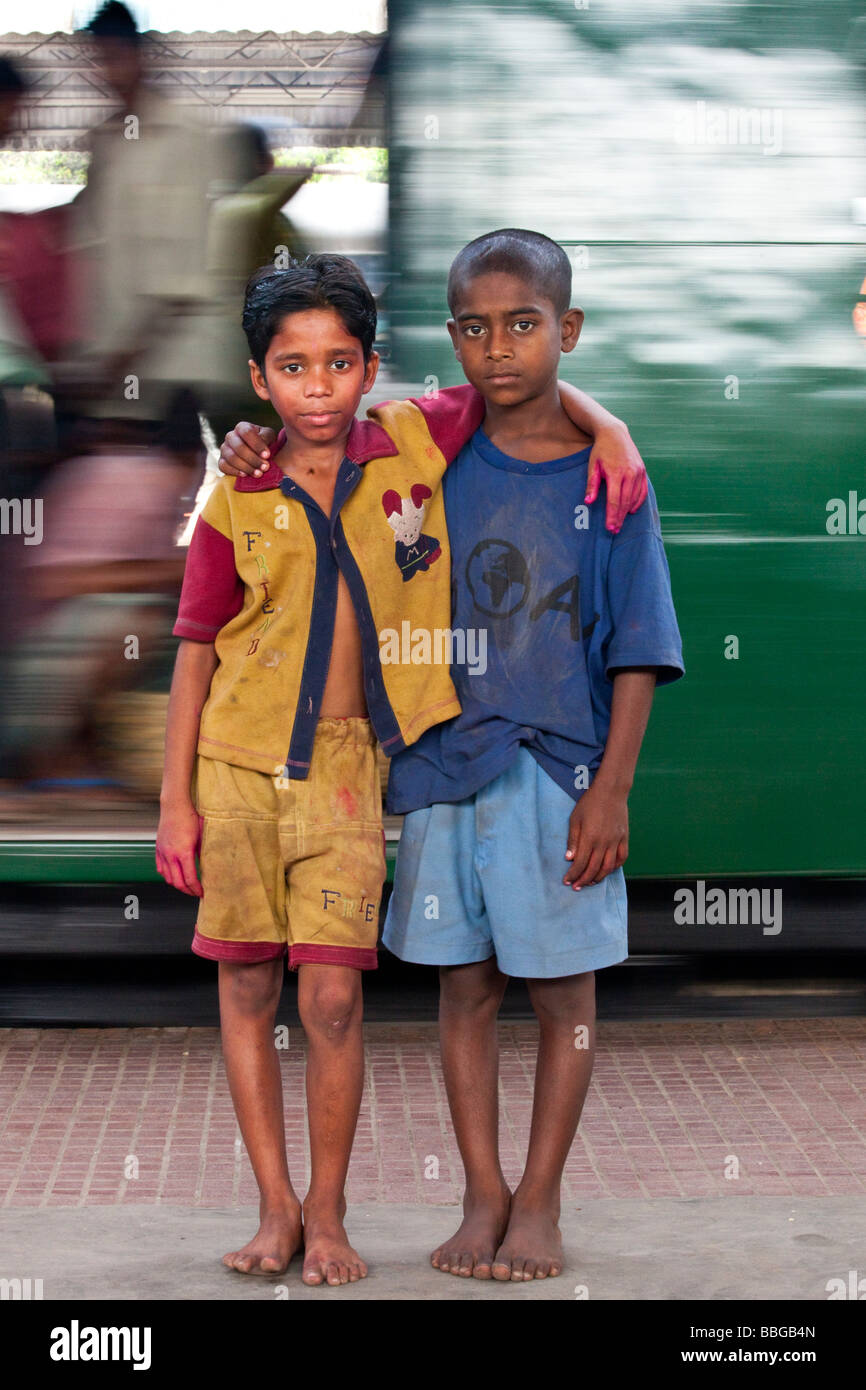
x=324, y=89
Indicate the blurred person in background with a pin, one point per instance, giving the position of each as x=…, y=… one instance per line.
x=139, y=231
x=28, y=260
x=101, y=588
x=99, y=593
x=247, y=228
x=22, y=363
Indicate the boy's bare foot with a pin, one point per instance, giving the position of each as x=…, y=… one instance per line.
x=471, y=1249
x=274, y=1244
x=328, y=1256
x=532, y=1245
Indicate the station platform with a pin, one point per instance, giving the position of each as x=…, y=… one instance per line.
x=714, y=1160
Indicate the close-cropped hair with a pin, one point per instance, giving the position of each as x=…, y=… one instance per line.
x=531, y=256
x=317, y=282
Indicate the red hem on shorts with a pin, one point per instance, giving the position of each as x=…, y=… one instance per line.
x=361, y=957
x=245, y=952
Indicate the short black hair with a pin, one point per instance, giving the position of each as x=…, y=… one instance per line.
x=12, y=82
x=531, y=255
x=113, y=21
x=317, y=282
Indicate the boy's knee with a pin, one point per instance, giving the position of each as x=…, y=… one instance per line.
x=564, y=1000
x=330, y=1007
x=472, y=988
x=252, y=987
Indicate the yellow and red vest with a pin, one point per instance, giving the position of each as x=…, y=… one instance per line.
x=261, y=583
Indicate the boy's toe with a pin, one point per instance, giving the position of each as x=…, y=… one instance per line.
x=529, y=1269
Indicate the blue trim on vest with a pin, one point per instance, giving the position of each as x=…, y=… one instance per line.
x=382, y=717
x=320, y=639
x=332, y=556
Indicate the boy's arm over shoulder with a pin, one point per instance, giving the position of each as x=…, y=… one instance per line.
x=614, y=455
x=451, y=415
x=213, y=591
x=643, y=618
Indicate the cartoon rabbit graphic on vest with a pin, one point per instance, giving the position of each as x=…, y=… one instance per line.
x=412, y=551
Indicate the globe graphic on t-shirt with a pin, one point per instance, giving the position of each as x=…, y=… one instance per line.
x=497, y=578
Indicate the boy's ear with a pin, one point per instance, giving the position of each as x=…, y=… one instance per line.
x=370, y=372
x=452, y=329
x=260, y=386
x=571, y=324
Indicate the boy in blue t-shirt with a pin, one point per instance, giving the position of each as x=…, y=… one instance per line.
x=561, y=633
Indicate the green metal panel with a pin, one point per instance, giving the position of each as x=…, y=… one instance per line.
x=718, y=262
x=92, y=860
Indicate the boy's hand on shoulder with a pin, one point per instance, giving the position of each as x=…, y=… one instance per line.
x=178, y=840
x=615, y=455
x=597, y=836
x=246, y=450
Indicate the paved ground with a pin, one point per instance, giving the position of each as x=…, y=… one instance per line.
x=143, y=1115
x=735, y=1152
x=700, y=1248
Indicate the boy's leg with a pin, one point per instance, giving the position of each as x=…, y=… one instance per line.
x=469, y=1003
x=532, y=1247
x=437, y=864
x=330, y=1005
x=249, y=995
x=332, y=822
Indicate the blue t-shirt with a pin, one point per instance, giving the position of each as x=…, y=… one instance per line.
x=546, y=605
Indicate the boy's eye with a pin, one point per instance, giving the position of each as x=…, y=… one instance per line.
x=473, y=330
x=291, y=366
x=341, y=362
x=524, y=325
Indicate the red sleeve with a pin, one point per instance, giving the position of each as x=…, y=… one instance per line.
x=452, y=415
x=213, y=591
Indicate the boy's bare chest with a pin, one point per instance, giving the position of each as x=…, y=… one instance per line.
x=318, y=485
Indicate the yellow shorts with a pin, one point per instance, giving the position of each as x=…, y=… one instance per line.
x=294, y=866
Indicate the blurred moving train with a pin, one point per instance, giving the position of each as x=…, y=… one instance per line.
x=703, y=165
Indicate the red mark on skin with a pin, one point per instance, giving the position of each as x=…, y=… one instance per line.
x=347, y=803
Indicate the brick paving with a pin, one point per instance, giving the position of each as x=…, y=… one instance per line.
x=144, y=1116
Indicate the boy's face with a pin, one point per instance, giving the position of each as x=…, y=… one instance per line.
x=508, y=336
x=314, y=375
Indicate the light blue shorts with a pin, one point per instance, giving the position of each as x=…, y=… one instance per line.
x=483, y=877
